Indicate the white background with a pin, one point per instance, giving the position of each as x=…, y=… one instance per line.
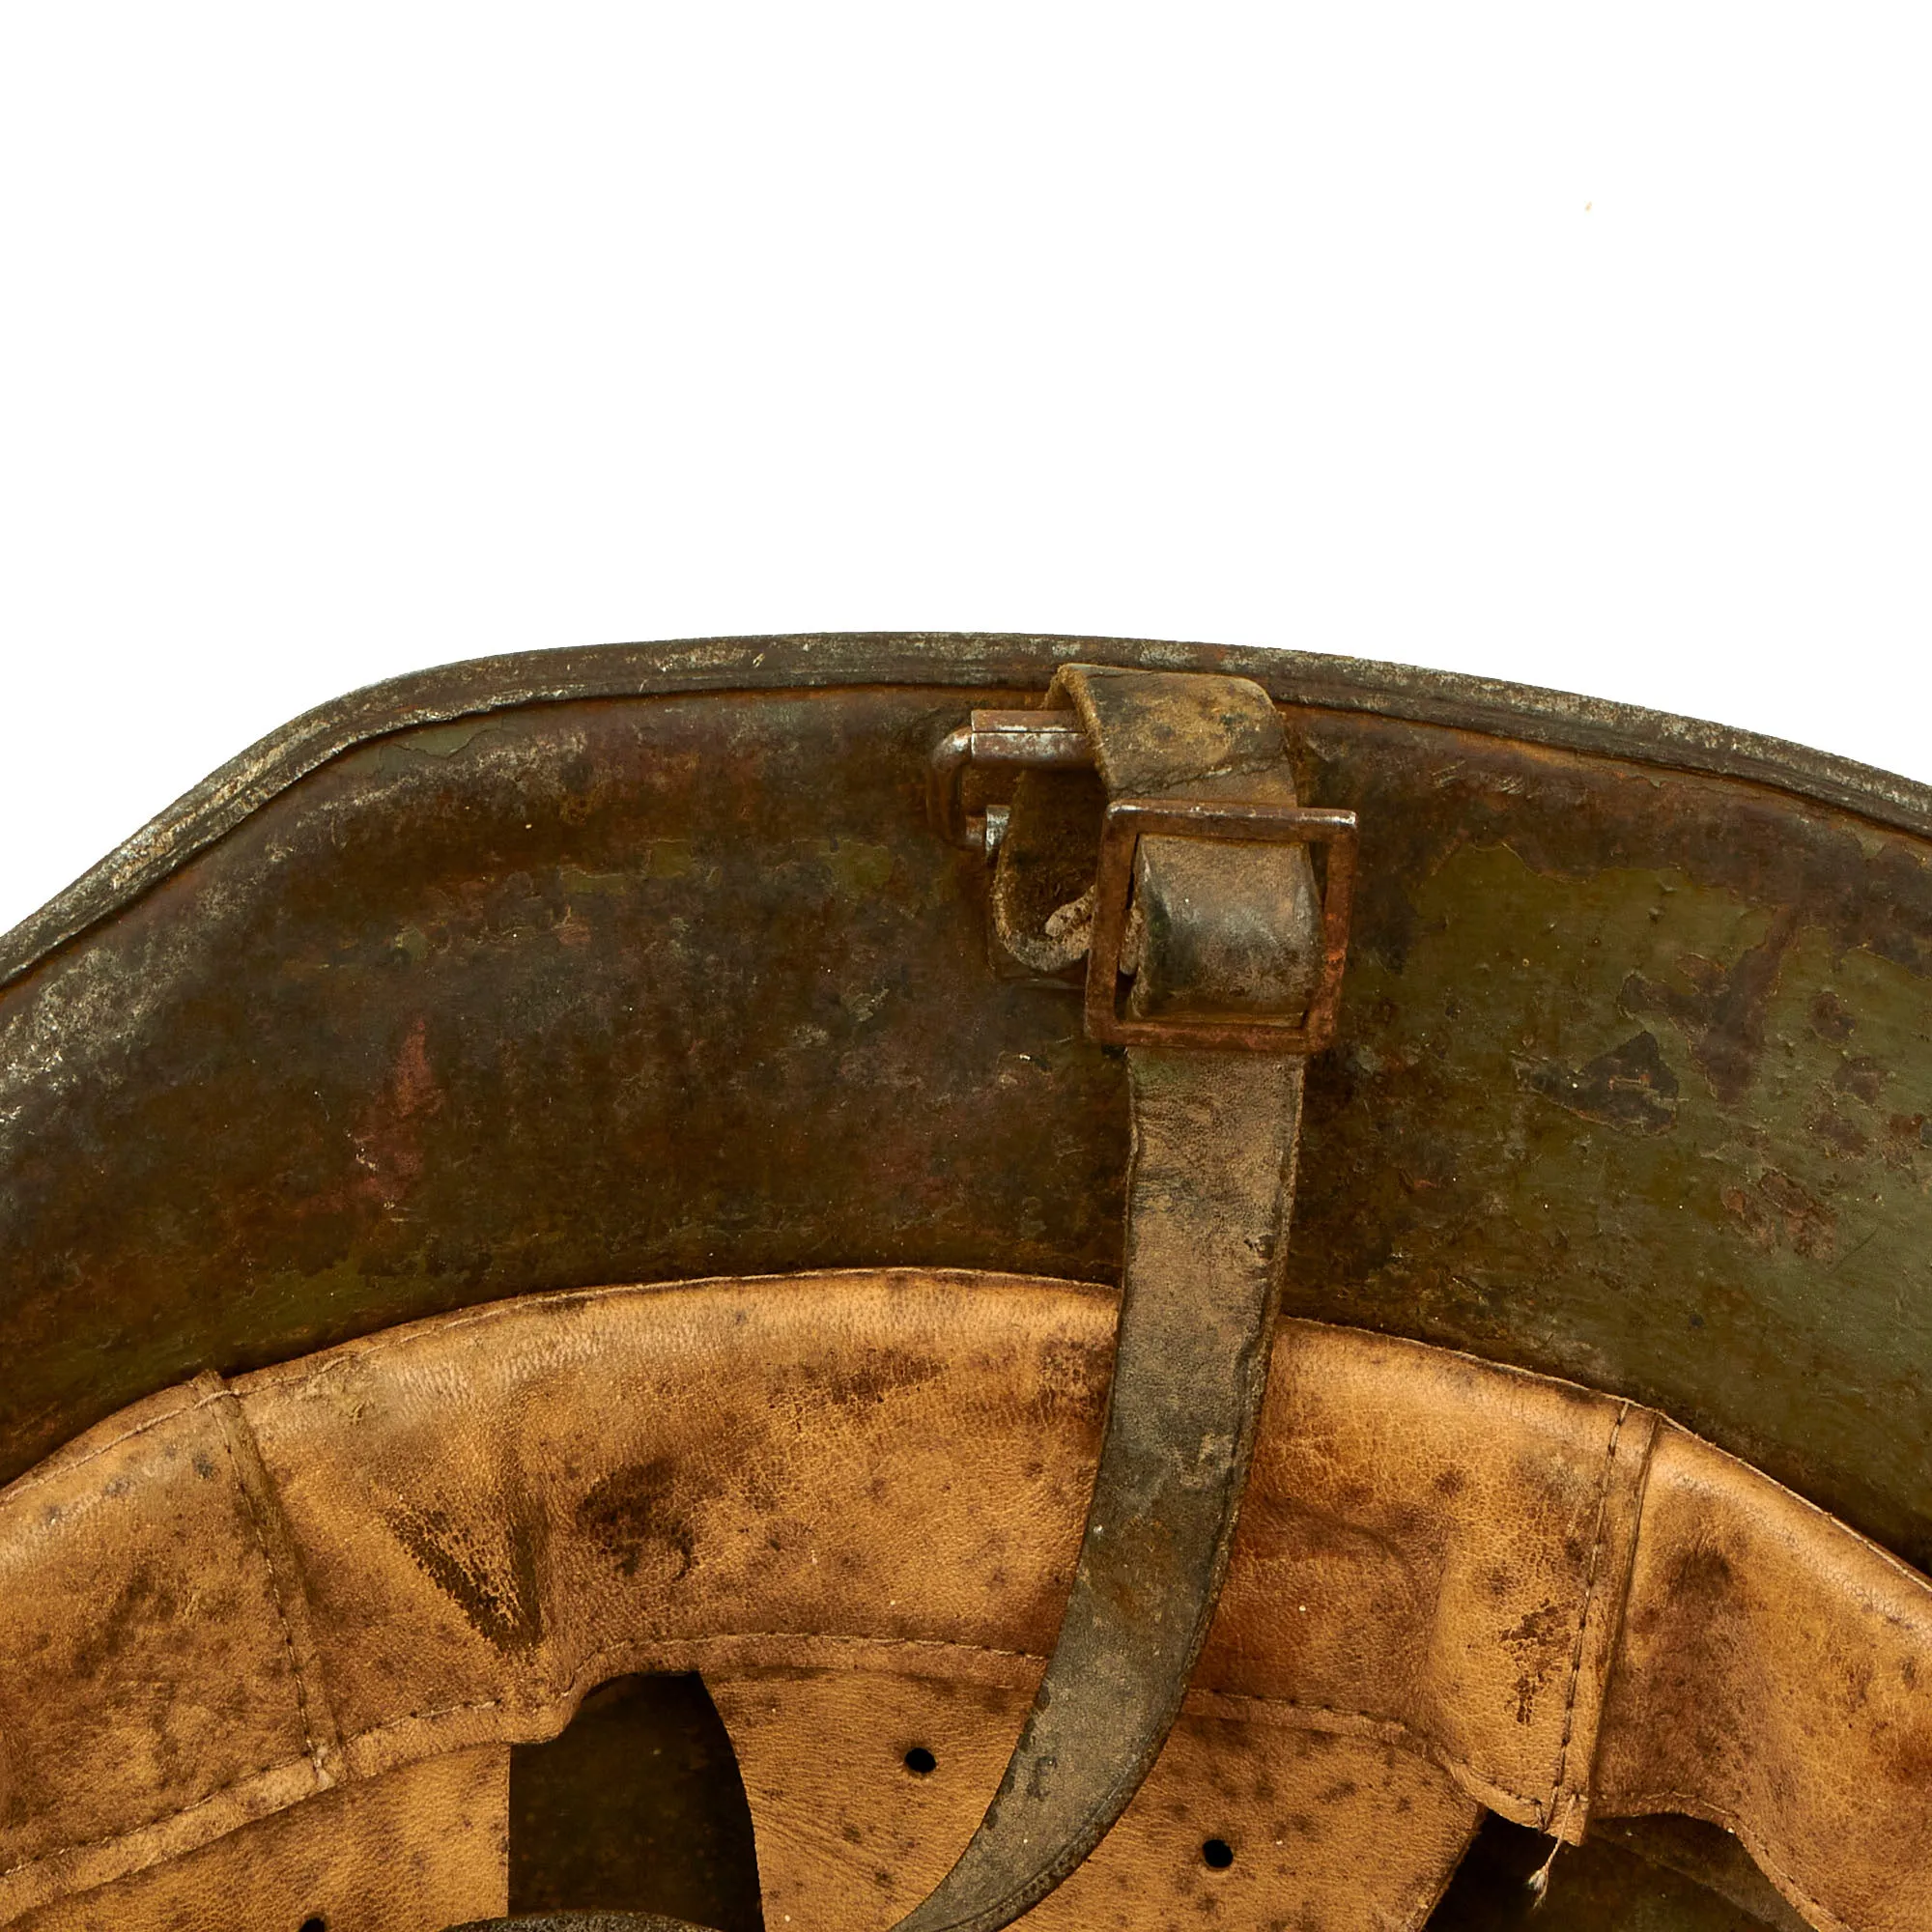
x=1587, y=346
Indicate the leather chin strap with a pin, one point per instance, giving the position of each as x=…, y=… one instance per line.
x=1221, y=931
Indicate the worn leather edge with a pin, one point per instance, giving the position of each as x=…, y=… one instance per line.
x=404, y=1854
x=1764, y=1856
x=279, y=1788
x=1881, y=1582
x=840, y=1836
x=827, y=661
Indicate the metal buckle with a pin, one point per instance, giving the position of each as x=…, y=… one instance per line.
x=1252, y=822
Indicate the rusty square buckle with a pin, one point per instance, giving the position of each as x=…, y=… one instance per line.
x=1250, y=823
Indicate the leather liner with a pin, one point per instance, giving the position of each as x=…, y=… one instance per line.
x=232, y=1597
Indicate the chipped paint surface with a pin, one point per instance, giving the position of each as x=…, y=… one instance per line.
x=1744, y=1237
x=1633, y=1083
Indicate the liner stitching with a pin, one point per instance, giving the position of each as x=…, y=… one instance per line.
x=155, y=1823
x=281, y=1614
x=255, y=1505
x=25, y=1484
x=1583, y=1622
x=372, y=1348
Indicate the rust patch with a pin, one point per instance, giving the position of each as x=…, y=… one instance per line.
x=1047, y=861
x=1862, y=1076
x=1722, y=1015
x=1777, y=1212
x=1630, y=1087
x=1841, y=1137
x=388, y=1138
x=1830, y=1018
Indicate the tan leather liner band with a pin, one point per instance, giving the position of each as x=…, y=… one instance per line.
x=1566, y=1604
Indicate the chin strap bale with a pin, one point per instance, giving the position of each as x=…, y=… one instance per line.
x=1232, y=971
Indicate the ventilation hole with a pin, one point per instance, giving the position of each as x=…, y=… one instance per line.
x=918, y=1761
x=1218, y=1854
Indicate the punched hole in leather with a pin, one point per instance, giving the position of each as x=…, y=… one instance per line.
x=1223, y=939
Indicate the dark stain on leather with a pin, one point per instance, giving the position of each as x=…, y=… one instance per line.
x=1908, y=1751
x=1701, y=1593
x=867, y=1377
x=140, y=1602
x=640, y=1510
x=1538, y=1642
x=1074, y=1374
x=504, y=1604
